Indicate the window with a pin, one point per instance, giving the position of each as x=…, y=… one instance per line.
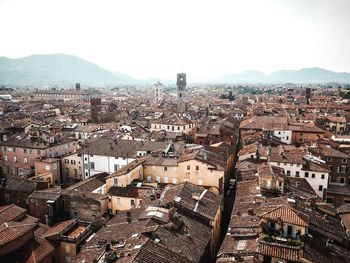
x=200, y=181
x=342, y=169
x=197, y=168
x=25, y=150
x=166, y=179
x=75, y=172
x=158, y=179
x=174, y=180
x=92, y=165
x=118, y=200
x=322, y=176
x=306, y=174
x=47, y=168
x=94, y=207
x=297, y=174
x=342, y=180
x=25, y=160
x=313, y=175
x=115, y=181
x=116, y=167
x=165, y=168
x=329, y=159
x=6, y=158
x=288, y=173
x=320, y=187
x=15, y=160
x=72, y=162
x=344, y=160
x=188, y=167
x=132, y=202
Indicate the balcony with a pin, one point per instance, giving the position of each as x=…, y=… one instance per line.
x=76, y=232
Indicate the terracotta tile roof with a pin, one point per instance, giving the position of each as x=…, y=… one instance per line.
x=57, y=228
x=218, y=160
x=305, y=127
x=317, y=167
x=12, y=230
x=123, y=148
x=11, y=213
x=280, y=251
x=152, y=252
x=129, y=191
x=336, y=119
x=193, y=198
x=344, y=209
x=328, y=151
x=40, y=249
x=287, y=215
x=173, y=120
x=127, y=168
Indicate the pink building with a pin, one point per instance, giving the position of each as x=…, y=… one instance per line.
x=19, y=153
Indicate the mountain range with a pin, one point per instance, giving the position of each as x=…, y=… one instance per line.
x=56, y=69
x=62, y=69
x=305, y=75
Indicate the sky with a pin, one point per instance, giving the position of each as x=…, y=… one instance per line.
x=205, y=39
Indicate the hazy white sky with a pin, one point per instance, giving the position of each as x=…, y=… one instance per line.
x=150, y=38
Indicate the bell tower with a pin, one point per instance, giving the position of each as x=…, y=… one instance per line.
x=181, y=92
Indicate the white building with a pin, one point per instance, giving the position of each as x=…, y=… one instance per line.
x=311, y=168
x=284, y=136
x=109, y=155
x=173, y=123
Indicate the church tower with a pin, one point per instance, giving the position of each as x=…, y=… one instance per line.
x=159, y=92
x=181, y=92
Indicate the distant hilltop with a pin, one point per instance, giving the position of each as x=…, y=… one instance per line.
x=56, y=69
x=62, y=69
x=305, y=75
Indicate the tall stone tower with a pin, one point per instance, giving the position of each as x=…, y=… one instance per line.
x=159, y=91
x=95, y=104
x=181, y=92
